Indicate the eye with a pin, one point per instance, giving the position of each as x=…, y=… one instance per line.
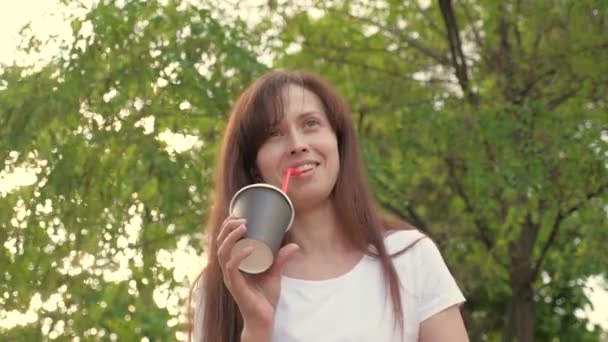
x=273, y=132
x=311, y=123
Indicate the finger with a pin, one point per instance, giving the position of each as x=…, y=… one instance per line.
x=285, y=254
x=228, y=226
x=225, y=249
x=229, y=223
x=232, y=276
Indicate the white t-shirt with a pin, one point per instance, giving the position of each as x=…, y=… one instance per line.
x=355, y=306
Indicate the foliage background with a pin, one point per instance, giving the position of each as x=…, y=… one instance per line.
x=483, y=123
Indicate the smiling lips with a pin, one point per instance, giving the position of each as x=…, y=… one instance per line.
x=306, y=167
x=303, y=167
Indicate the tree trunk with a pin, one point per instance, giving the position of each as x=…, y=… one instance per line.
x=520, y=315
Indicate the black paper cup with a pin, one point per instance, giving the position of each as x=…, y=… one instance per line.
x=269, y=214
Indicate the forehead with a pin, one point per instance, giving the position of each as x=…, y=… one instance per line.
x=297, y=100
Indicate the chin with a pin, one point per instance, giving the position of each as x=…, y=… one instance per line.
x=303, y=201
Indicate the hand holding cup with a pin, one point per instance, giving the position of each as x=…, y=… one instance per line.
x=256, y=295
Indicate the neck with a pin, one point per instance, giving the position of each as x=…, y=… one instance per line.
x=317, y=231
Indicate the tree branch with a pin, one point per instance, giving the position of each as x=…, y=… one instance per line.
x=556, y=226
x=413, y=218
x=537, y=39
x=416, y=219
x=362, y=112
x=556, y=102
x=390, y=73
x=366, y=51
x=481, y=226
x=516, y=29
x=428, y=19
x=469, y=15
x=532, y=82
x=504, y=56
x=458, y=59
x=395, y=32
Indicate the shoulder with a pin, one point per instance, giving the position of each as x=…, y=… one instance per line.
x=397, y=240
x=423, y=272
x=414, y=249
x=418, y=261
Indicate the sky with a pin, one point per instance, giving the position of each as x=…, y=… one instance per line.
x=47, y=19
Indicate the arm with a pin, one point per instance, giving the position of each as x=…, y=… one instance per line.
x=440, y=318
x=446, y=325
x=254, y=335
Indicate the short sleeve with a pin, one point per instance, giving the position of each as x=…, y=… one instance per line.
x=437, y=287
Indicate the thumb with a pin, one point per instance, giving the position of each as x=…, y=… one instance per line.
x=285, y=254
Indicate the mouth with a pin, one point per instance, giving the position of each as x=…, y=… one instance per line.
x=306, y=168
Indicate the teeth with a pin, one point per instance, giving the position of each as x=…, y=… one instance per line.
x=306, y=167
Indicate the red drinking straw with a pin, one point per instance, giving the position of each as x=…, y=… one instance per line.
x=290, y=171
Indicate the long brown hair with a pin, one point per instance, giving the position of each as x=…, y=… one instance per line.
x=258, y=108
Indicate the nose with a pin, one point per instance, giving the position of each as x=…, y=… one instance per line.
x=297, y=144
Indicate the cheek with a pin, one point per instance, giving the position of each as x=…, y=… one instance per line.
x=334, y=149
x=266, y=159
x=336, y=160
x=333, y=154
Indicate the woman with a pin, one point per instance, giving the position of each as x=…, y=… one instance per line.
x=344, y=273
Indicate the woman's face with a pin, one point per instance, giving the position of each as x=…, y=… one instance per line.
x=304, y=140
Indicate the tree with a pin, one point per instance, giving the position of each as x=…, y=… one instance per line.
x=111, y=197
x=484, y=124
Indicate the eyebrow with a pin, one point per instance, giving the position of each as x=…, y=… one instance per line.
x=300, y=116
x=308, y=113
